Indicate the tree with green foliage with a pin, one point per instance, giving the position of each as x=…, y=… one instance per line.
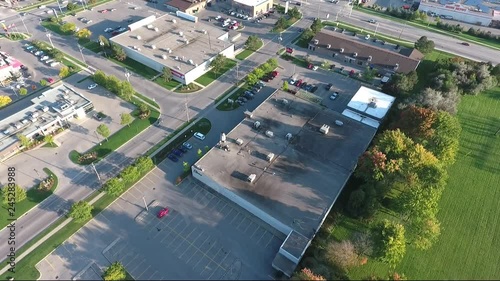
x=200, y=153
x=116, y=271
x=259, y=73
x=363, y=202
x=307, y=35
x=144, y=164
x=185, y=166
x=83, y=33
x=266, y=67
x=81, y=211
x=424, y=45
x=100, y=78
x=317, y=25
x=68, y=27
x=273, y=63
x=294, y=13
x=251, y=79
x=103, y=130
x=64, y=71
x=166, y=74
x=24, y=140
x=305, y=274
x=117, y=52
x=126, y=119
x=72, y=6
x=130, y=174
x=281, y=23
x=49, y=139
x=102, y=39
x=114, y=187
x=253, y=43
x=393, y=242
x=23, y=91
x=369, y=74
x=401, y=85
x=218, y=63
x=5, y=100
x=18, y=192
x=126, y=91
x=285, y=85
x=44, y=82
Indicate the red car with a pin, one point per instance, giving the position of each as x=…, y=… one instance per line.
x=103, y=11
x=275, y=73
x=163, y=212
x=298, y=83
x=50, y=80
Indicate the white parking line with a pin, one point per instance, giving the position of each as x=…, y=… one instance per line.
x=139, y=276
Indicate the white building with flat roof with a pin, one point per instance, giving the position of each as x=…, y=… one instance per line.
x=186, y=47
x=48, y=112
x=252, y=7
x=369, y=106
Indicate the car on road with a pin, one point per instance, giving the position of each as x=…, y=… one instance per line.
x=465, y=44
x=103, y=11
x=328, y=86
x=334, y=95
x=163, y=212
x=372, y=21
x=173, y=158
x=92, y=86
x=108, y=30
x=187, y=145
x=199, y=136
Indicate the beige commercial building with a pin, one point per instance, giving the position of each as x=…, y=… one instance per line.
x=187, y=6
x=252, y=7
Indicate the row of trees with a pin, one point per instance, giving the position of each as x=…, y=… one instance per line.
x=309, y=33
x=253, y=43
x=114, y=50
x=121, y=88
x=444, y=84
x=259, y=72
x=283, y=22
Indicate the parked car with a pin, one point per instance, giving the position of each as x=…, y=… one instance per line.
x=329, y=86
x=163, y=212
x=92, y=86
x=23, y=67
x=112, y=10
x=248, y=95
x=243, y=99
x=108, y=29
x=314, y=89
x=304, y=85
x=103, y=11
x=187, y=145
x=44, y=58
x=465, y=44
x=182, y=149
x=177, y=152
x=334, y=95
x=54, y=64
x=218, y=18
x=309, y=87
x=50, y=80
x=89, y=22
x=292, y=81
x=199, y=136
x=275, y=73
x=298, y=83
x=172, y=157
x=122, y=29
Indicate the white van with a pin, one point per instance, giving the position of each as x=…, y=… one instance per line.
x=54, y=63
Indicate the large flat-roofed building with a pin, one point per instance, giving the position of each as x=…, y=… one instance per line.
x=252, y=7
x=286, y=163
x=186, y=47
x=47, y=112
x=485, y=13
x=365, y=53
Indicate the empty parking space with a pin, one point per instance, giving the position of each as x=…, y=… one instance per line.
x=203, y=236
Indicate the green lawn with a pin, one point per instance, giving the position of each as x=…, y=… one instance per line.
x=170, y=85
x=467, y=247
x=211, y=76
x=90, y=44
x=432, y=27
x=247, y=52
x=146, y=99
x=33, y=198
x=120, y=137
x=294, y=60
x=55, y=27
x=136, y=67
x=191, y=88
x=203, y=126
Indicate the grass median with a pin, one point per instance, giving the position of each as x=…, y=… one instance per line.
x=247, y=52
x=34, y=196
x=119, y=138
x=211, y=76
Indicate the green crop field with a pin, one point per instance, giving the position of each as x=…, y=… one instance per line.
x=468, y=247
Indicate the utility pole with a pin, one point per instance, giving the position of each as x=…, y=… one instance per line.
x=127, y=75
x=36, y=171
x=81, y=53
x=95, y=170
x=145, y=205
x=50, y=40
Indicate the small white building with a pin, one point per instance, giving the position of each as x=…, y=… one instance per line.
x=180, y=43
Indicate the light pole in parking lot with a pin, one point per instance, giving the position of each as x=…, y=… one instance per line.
x=50, y=40
x=95, y=170
x=81, y=53
x=145, y=205
x=127, y=75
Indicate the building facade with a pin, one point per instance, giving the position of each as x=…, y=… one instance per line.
x=187, y=6
x=461, y=12
x=252, y=7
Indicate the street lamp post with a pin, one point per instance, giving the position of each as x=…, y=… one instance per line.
x=14, y=90
x=102, y=47
x=376, y=28
x=95, y=170
x=36, y=171
x=98, y=140
x=81, y=53
x=127, y=75
x=145, y=205
x=50, y=40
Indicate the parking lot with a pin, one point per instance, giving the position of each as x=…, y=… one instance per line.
x=204, y=236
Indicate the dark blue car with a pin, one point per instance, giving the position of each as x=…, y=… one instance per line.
x=177, y=152
x=182, y=148
x=172, y=157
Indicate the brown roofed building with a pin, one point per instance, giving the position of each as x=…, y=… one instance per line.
x=186, y=6
x=351, y=49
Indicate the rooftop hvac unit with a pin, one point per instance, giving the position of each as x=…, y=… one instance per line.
x=196, y=65
x=24, y=121
x=191, y=62
x=316, y=41
x=150, y=26
x=339, y=123
x=269, y=133
x=396, y=66
x=138, y=49
x=135, y=47
x=169, y=50
x=288, y=136
x=251, y=178
x=270, y=157
x=256, y=125
x=178, y=67
x=156, y=29
x=324, y=129
x=341, y=50
x=45, y=108
x=153, y=47
x=164, y=57
x=355, y=55
x=223, y=137
x=370, y=58
x=66, y=97
x=181, y=33
x=138, y=37
x=174, y=21
x=34, y=114
x=186, y=41
x=328, y=46
x=18, y=125
x=176, y=58
x=239, y=141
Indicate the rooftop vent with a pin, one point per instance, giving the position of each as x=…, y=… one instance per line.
x=186, y=41
x=34, y=114
x=150, y=26
x=328, y=46
x=355, y=55
x=288, y=136
x=45, y=108
x=251, y=178
x=372, y=102
x=339, y=123
x=191, y=62
x=396, y=66
x=256, y=125
x=169, y=50
x=181, y=33
x=270, y=157
x=138, y=49
x=176, y=58
x=153, y=47
x=269, y=133
x=174, y=21
x=324, y=129
x=156, y=29
x=341, y=50
x=138, y=37
x=164, y=57
x=370, y=58
x=239, y=141
x=316, y=41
